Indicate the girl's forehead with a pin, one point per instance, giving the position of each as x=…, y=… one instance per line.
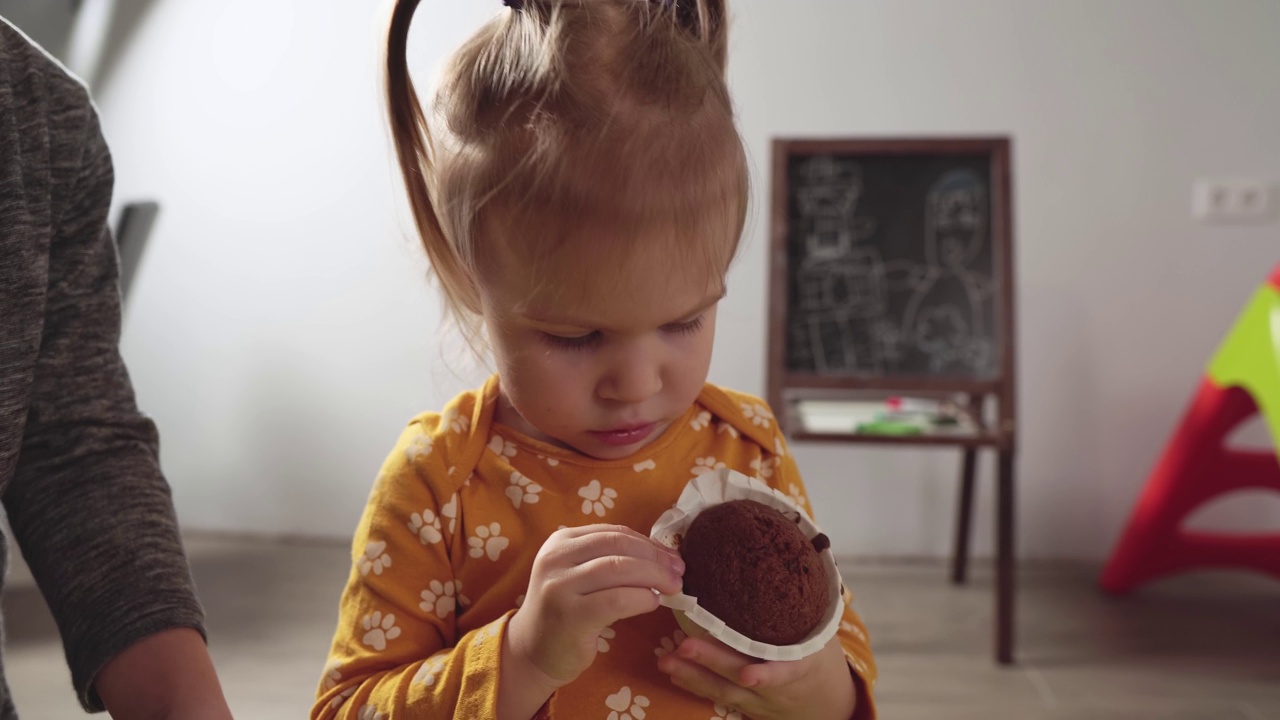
x=641, y=291
x=623, y=313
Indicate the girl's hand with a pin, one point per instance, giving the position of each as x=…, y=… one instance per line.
x=584, y=580
x=819, y=687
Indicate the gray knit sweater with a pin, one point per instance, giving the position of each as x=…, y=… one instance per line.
x=79, y=473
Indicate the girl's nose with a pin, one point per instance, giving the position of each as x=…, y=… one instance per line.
x=633, y=376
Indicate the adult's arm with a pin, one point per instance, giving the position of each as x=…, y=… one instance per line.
x=87, y=502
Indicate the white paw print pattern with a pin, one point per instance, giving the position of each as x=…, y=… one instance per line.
x=369, y=712
x=758, y=414
x=488, y=540
x=853, y=630
x=646, y=465
x=704, y=465
x=626, y=707
x=668, y=645
x=429, y=671
x=522, y=490
x=702, y=421
x=485, y=634
x=442, y=598
x=455, y=422
x=727, y=713
x=858, y=665
x=602, y=642
x=729, y=430
x=450, y=512
x=342, y=698
x=375, y=559
x=793, y=492
x=779, y=447
x=426, y=525
x=332, y=675
x=763, y=468
x=550, y=460
x=596, y=498
x=419, y=447
x=500, y=447
x=379, y=629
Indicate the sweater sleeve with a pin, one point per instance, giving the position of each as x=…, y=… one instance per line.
x=784, y=475
x=397, y=652
x=88, y=505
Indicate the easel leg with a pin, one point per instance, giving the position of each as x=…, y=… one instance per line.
x=1005, y=560
x=964, y=516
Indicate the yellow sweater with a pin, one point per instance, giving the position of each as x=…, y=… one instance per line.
x=443, y=554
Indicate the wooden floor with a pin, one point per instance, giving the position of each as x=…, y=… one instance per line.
x=1202, y=647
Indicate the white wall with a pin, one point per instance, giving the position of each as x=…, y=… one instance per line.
x=47, y=23
x=280, y=331
x=1114, y=108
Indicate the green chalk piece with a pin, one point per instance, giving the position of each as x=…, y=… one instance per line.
x=888, y=427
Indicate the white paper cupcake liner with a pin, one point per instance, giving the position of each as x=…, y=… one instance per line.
x=721, y=486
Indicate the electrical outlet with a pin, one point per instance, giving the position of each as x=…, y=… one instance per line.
x=1236, y=201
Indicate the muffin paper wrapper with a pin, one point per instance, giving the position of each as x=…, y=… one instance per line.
x=721, y=486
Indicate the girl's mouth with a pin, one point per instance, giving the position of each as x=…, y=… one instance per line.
x=621, y=437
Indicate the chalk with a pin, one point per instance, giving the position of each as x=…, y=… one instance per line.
x=888, y=427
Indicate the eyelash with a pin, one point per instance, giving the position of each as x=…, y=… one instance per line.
x=690, y=327
x=583, y=342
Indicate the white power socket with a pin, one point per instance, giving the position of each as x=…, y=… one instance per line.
x=1235, y=201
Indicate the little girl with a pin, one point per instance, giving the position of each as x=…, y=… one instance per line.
x=580, y=196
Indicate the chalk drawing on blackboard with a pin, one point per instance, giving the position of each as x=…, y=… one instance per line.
x=854, y=282
x=952, y=332
x=907, y=275
x=828, y=203
x=837, y=299
x=841, y=286
x=840, y=343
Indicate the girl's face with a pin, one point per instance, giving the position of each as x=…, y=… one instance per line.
x=607, y=373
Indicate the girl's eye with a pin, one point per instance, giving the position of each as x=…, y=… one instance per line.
x=689, y=327
x=578, y=342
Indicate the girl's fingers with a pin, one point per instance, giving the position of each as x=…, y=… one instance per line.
x=607, y=607
x=620, y=571
x=701, y=681
x=771, y=675
x=716, y=657
x=615, y=541
x=579, y=531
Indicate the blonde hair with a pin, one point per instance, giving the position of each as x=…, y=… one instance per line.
x=572, y=124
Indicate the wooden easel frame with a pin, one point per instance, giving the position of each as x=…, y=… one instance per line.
x=786, y=387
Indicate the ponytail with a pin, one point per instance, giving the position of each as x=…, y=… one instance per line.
x=416, y=155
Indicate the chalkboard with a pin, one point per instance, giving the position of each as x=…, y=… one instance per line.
x=891, y=274
x=891, y=259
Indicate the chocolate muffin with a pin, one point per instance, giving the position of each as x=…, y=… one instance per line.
x=752, y=567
